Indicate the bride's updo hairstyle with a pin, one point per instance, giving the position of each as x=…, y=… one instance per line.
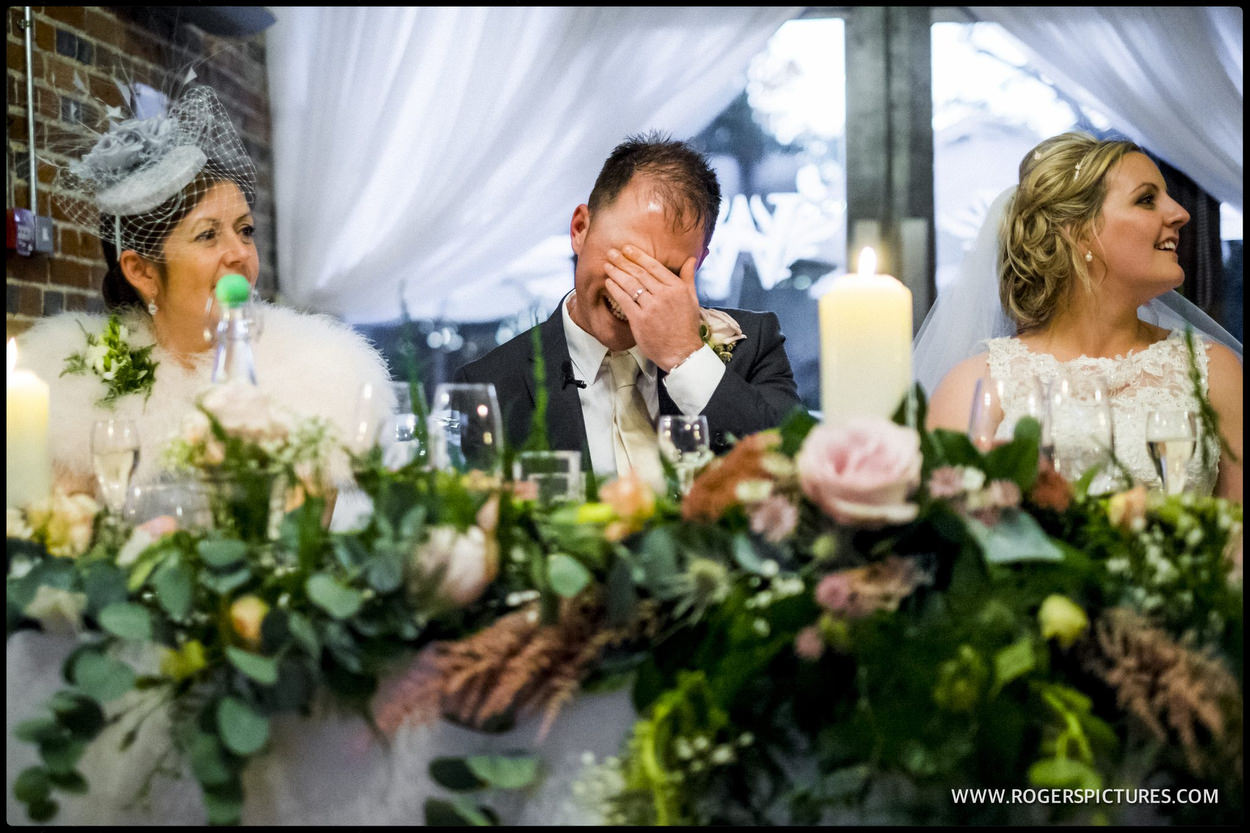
x=1057, y=203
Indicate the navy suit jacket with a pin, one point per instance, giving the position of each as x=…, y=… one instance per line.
x=756, y=392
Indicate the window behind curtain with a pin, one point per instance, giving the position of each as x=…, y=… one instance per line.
x=779, y=151
x=989, y=108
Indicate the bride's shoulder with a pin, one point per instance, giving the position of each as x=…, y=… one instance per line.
x=948, y=407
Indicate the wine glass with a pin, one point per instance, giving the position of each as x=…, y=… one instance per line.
x=465, y=428
x=1081, y=428
x=115, y=455
x=684, y=443
x=183, y=502
x=986, y=413
x=1170, y=439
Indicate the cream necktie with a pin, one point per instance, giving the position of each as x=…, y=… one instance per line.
x=633, y=435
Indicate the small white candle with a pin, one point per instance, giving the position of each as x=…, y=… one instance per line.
x=865, y=343
x=28, y=463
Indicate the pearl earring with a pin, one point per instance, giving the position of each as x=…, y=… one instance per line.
x=1089, y=257
x=152, y=307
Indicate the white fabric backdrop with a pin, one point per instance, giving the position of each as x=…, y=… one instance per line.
x=1169, y=77
x=429, y=147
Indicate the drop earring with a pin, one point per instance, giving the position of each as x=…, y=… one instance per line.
x=152, y=307
x=1089, y=257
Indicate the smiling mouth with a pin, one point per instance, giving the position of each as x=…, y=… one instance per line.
x=1169, y=246
x=614, y=308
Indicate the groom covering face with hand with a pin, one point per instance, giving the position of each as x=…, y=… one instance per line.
x=625, y=346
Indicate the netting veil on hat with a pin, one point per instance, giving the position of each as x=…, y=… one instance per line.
x=133, y=183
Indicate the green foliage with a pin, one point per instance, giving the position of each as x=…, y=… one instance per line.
x=123, y=369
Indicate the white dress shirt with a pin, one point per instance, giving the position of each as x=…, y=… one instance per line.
x=690, y=384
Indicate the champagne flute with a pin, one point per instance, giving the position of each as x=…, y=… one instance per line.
x=1081, y=427
x=115, y=455
x=986, y=413
x=465, y=429
x=684, y=442
x=1170, y=439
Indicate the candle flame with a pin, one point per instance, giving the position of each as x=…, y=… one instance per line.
x=867, y=262
x=12, y=357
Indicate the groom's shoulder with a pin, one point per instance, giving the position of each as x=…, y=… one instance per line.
x=507, y=357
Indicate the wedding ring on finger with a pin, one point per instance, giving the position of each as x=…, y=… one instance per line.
x=638, y=293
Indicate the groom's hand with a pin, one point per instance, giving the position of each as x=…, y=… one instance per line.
x=662, y=308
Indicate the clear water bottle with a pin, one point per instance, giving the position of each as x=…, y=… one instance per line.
x=234, y=361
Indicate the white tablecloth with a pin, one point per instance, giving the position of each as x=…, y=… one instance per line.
x=324, y=770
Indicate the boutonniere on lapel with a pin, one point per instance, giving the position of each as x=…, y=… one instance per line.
x=122, y=368
x=720, y=332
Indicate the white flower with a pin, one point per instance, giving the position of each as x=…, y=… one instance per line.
x=95, y=357
x=15, y=524
x=57, y=611
x=463, y=562
x=64, y=522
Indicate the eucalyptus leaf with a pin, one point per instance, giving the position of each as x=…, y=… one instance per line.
x=455, y=774
x=70, y=782
x=745, y=556
x=62, y=755
x=505, y=772
x=1016, y=660
x=305, y=634
x=1064, y=773
x=127, y=620
x=32, y=784
x=223, y=804
x=38, y=729
x=101, y=677
x=1016, y=537
x=242, y=730
x=384, y=572
x=104, y=584
x=221, y=552
x=458, y=812
x=566, y=574
x=226, y=583
x=208, y=760
x=334, y=598
x=173, y=586
x=263, y=670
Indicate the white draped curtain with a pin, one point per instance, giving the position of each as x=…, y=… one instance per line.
x=1169, y=77
x=418, y=152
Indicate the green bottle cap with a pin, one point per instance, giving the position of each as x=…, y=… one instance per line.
x=233, y=290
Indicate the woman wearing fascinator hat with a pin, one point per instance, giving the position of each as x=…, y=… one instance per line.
x=170, y=197
x=1085, y=262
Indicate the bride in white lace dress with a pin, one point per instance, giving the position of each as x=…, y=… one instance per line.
x=1090, y=236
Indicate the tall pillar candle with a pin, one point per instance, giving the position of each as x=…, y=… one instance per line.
x=865, y=343
x=28, y=462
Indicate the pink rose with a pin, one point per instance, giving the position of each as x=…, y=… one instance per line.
x=860, y=472
x=775, y=518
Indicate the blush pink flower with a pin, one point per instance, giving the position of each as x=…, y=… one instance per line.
x=775, y=518
x=808, y=643
x=861, y=471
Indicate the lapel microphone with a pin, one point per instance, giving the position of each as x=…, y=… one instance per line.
x=569, y=379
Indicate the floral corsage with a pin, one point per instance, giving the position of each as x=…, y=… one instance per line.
x=720, y=332
x=123, y=369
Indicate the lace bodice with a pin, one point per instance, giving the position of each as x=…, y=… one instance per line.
x=1151, y=379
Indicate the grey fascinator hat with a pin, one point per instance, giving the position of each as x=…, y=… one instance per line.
x=142, y=176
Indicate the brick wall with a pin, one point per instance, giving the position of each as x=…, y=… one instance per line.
x=98, y=44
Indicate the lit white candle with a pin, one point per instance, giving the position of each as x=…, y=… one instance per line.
x=28, y=463
x=865, y=343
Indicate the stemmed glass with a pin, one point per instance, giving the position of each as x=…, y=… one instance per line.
x=1170, y=439
x=465, y=429
x=1081, y=427
x=115, y=456
x=685, y=444
x=987, y=415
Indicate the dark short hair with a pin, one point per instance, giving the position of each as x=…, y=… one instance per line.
x=681, y=177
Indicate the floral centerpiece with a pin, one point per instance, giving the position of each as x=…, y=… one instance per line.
x=837, y=622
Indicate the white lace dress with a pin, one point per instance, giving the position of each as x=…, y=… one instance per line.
x=1151, y=379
